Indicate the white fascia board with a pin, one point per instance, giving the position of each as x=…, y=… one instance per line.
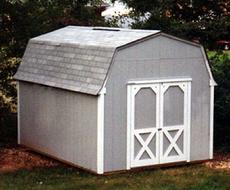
x=208, y=67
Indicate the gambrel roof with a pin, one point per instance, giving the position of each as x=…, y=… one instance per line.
x=75, y=58
x=78, y=58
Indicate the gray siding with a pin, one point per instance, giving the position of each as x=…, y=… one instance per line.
x=160, y=57
x=60, y=123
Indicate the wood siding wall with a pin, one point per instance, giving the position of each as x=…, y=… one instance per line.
x=59, y=123
x=160, y=57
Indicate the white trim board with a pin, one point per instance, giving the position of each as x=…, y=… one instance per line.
x=128, y=156
x=208, y=67
x=100, y=132
x=151, y=81
x=189, y=122
x=211, y=127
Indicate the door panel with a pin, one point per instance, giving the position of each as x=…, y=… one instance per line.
x=144, y=125
x=172, y=122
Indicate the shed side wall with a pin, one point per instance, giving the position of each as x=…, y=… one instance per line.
x=59, y=123
x=160, y=57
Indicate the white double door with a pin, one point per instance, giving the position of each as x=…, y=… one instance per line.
x=159, y=123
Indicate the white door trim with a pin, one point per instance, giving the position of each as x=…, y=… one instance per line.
x=130, y=117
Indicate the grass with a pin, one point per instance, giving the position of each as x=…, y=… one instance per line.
x=193, y=177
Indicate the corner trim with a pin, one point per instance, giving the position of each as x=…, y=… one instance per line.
x=189, y=122
x=100, y=132
x=18, y=113
x=211, y=121
x=212, y=83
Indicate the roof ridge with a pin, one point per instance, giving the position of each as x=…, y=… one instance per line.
x=73, y=45
x=111, y=28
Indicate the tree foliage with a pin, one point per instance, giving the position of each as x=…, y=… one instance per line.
x=8, y=91
x=204, y=20
x=220, y=63
x=21, y=20
x=221, y=69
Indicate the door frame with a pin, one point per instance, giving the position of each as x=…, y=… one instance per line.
x=131, y=107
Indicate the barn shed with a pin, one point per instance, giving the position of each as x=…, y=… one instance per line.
x=111, y=99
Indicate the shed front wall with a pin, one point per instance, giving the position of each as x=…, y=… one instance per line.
x=60, y=123
x=157, y=58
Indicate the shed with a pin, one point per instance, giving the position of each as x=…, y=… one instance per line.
x=111, y=99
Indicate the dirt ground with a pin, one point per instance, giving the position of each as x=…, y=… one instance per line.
x=220, y=161
x=15, y=157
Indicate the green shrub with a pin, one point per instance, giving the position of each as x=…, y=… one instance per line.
x=8, y=97
x=220, y=64
x=8, y=91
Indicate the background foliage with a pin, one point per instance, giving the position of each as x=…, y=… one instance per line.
x=220, y=64
x=21, y=20
x=203, y=20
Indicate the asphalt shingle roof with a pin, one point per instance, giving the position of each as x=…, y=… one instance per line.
x=75, y=58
